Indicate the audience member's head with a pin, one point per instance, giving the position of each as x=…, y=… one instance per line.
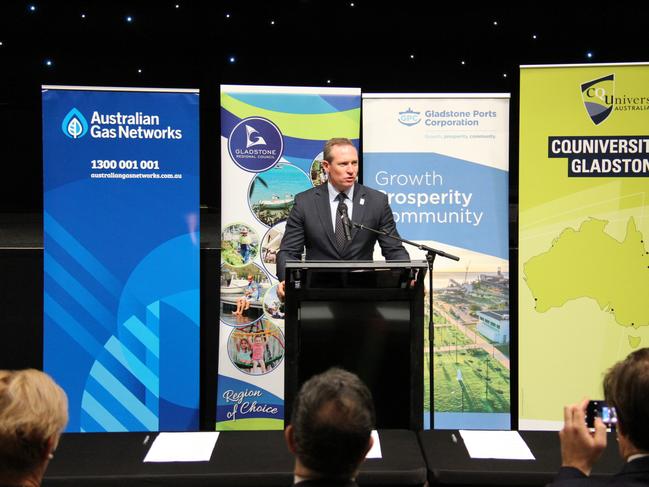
x=33, y=413
x=626, y=387
x=331, y=424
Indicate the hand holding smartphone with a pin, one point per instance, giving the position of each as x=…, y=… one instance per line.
x=600, y=409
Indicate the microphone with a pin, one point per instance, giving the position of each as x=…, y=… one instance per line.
x=342, y=209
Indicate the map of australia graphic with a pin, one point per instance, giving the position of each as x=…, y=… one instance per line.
x=590, y=263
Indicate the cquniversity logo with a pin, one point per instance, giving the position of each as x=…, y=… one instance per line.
x=74, y=124
x=409, y=117
x=598, y=97
x=255, y=144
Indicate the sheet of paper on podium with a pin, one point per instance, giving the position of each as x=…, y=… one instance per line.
x=182, y=447
x=504, y=445
x=375, y=451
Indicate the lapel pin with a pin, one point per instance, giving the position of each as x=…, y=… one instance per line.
x=362, y=201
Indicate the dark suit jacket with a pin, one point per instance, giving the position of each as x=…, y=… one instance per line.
x=327, y=483
x=309, y=225
x=634, y=474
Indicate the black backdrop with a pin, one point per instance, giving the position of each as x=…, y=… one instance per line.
x=406, y=46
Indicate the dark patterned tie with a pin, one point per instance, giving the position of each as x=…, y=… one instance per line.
x=339, y=232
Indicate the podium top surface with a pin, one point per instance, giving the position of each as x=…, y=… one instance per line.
x=356, y=264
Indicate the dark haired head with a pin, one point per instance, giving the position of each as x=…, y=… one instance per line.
x=626, y=387
x=332, y=420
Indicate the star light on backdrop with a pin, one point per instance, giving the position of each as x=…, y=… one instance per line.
x=293, y=49
x=379, y=47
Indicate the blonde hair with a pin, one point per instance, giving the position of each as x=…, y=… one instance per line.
x=33, y=412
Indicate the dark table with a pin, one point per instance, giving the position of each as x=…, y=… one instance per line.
x=240, y=458
x=449, y=462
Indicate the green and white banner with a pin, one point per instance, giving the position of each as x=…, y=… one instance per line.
x=584, y=221
x=271, y=148
x=443, y=161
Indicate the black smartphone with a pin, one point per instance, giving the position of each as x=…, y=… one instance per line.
x=600, y=409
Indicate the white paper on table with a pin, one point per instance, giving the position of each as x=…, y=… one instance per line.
x=506, y=445
x=182, y=447
x=375, y=451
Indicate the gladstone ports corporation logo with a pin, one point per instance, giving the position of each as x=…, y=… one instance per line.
x=409, y=117
x=599, y=98
x=255, y=144
x=74, y=124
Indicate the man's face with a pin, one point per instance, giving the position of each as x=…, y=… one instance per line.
x=343, y=168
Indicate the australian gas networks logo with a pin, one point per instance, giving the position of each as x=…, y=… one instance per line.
x=409, y=117
x=117, y=125
x=74, y=124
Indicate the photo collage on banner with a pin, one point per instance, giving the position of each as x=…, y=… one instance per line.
x=583, y=231
x=121, y=256
x=443, y=162
x=271, y=147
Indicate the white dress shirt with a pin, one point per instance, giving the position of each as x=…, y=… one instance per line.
x=333, y=202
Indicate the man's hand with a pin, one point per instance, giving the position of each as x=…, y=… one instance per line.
x=281, y=291
x=579, y=447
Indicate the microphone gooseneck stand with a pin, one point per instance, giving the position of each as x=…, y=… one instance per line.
x=431, y=253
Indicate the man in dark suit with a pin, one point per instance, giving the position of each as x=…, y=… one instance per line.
x=330, y=431
x=626, y=387
x=316, y=222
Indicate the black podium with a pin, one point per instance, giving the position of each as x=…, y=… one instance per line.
x=366, y=317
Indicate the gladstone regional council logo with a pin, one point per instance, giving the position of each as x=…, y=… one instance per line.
x=599, y=98
x=409, y=117
x=255, y=144
x=74, y=124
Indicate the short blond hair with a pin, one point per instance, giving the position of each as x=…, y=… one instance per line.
x=33, y=411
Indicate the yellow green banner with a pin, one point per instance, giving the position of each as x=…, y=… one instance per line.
x=583, y=230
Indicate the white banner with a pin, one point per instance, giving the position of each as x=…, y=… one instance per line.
x=443, y=161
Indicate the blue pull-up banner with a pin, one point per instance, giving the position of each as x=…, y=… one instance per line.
x=121, y=255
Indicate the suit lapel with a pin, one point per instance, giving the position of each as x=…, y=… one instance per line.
x=359, y=209
x=324, y=212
